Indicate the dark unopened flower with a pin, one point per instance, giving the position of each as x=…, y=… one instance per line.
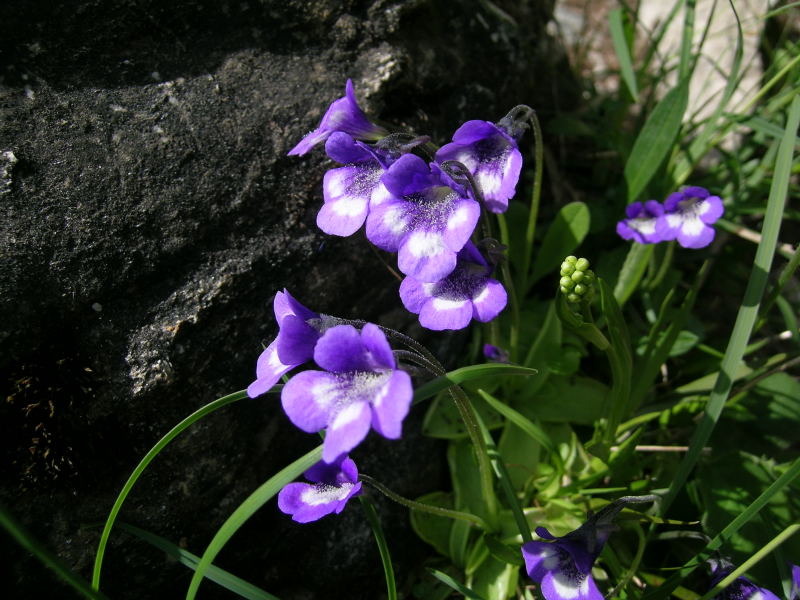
x=300, y=328
x=495, y=354
x=331, y=488
x=741, y=588
x=688, y=216
x=469, y=292
x=344, y=115
x=347, y=190
x=643, y=223
x=421, y=213
x=492, y=155
x=360, y=388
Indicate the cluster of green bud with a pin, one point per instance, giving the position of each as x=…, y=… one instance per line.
x=577, y=280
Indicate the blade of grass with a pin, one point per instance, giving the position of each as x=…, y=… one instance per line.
x=383, y=547
x=452, y=583
x=47, y=558
x=148, y=458
x=464, y=374
x=748, y=311
x=246, y=510
x=623, y=52
x=672, y=583
x=227, y=580
x=752, y=561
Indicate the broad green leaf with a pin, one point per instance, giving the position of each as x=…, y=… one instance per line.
x=433, y=529
x=520, y=453
x=495, y=579
x=655, y=140
x=443, y=421
x=574, y=399
x=563, y=236
x=465, y=478
x=510, y=555
x=623, y=51
x=632, y=270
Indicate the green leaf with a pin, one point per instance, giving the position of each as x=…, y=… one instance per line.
x=443, y=421
x=47, y=558
x=148, y=458
x=452, y=583
x=466, y=478
x=563, y=236
x=227, y=580
x=521, y=453
x=623, y=51
x=247, y=509
x=495, y=579
x=502, y=552
x=465, y=374
x=573, y=399
x=383, y=547
x=433, y=529
x=632, y=270
x=655, y=140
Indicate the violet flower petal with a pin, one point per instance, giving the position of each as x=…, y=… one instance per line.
x=309, y=398
x=269, y=370
x=347, y=430
x=391, y=405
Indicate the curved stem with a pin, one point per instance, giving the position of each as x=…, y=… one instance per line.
x=429, y=508
x=533, y=215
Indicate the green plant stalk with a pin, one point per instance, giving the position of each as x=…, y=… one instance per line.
x=666, y=263
x=428, y=508
x=139, y=469
x=753, y=560
x=745, y=319
x=469, y=418
x=383, y=548
x=47, y=558
x=533, y=214
x=513, y=333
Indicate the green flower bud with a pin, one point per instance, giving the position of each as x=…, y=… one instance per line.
x=566, y=282
x=581, y=264
x=577, y=276
x=580, y=289
x=574, y=298
x=564, y=290
x=567, y=268
x=571, y=260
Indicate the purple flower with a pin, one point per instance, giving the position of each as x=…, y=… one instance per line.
x=344, y=115
x=741, y=588
x=333, y=485
x=360, y=388
x=563, y=566
x=300, y=328
x=467, y=293
x=795, y=591
x=491, y=154
x=643, y=223
x=688, y=217
x=347, y=190
x=423, y=215
x=495, y=354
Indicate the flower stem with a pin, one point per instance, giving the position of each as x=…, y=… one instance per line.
x=533, y=215
x=421, y=506
x=383, y=548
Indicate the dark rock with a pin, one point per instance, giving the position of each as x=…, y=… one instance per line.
x=149, y=215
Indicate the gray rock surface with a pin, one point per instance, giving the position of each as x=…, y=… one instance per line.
x=150, y=214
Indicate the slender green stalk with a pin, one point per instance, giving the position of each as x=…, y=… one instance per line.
x=421, y=506
x=139, y=469
x=513, y=333
x=50, y=560
x=748, y=311
x=753, y=560
x=533, y=215
x=469, y=418
x=383, y=548
x=783, y=279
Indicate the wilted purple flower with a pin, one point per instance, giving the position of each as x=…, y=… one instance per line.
x=495, y=354
x=300, y=328
x=688, y=217
x=467, y=293
x=360, y=388
x=643, y=223
x=421, y=213
x=741, y=588
x=492, y=155
x=347, y=190
x=332, y=486
x=344, y=115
